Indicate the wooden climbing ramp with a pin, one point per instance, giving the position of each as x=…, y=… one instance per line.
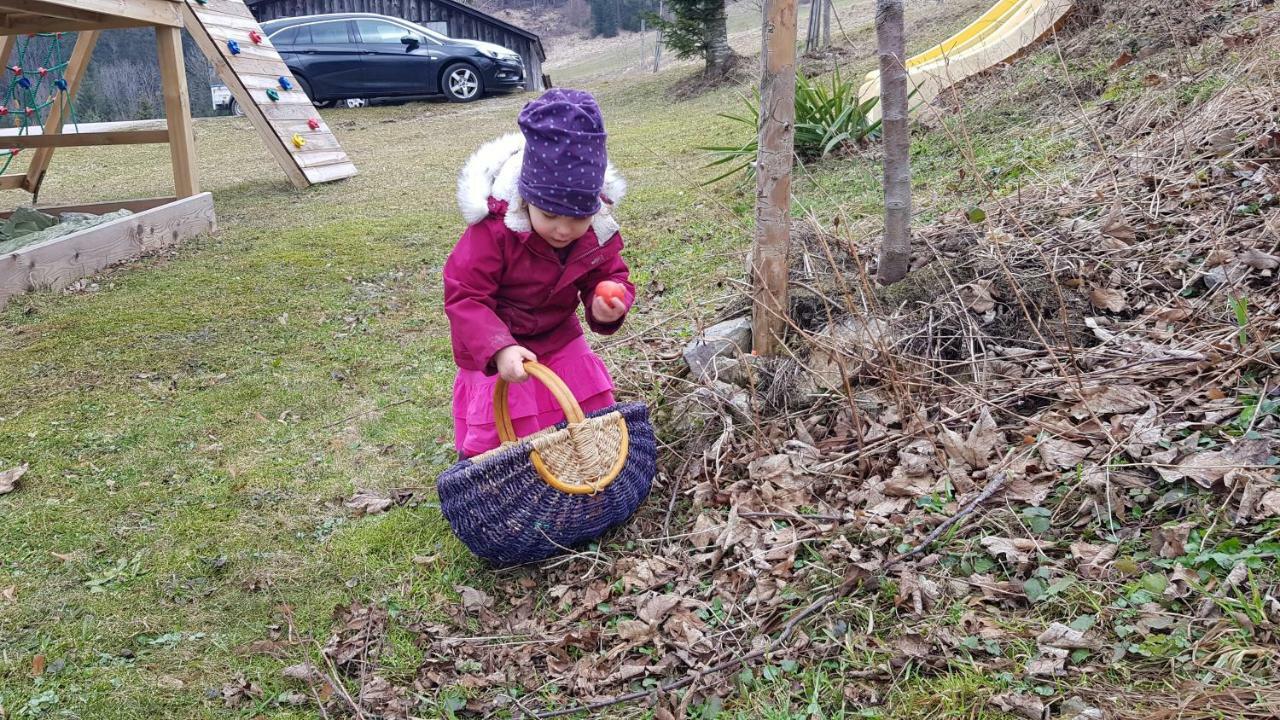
x=269, y=95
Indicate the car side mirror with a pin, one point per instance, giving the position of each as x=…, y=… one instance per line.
x=410, y=43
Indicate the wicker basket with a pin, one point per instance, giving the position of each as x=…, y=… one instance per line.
x=537, y=497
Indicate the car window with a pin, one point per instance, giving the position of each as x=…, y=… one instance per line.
x=380, y=32
x=304, y=35
x=329, y=33
x=288, y=36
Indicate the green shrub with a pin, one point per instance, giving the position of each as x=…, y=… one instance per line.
x=829, y=117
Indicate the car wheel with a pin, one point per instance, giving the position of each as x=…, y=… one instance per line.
x=462, y=83
x=305, y=87
x=235, y=109
x=354, y=103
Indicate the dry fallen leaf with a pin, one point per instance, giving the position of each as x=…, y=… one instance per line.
x=1109, y=400
x=1026, y=706
x=472, y=599
x=1108, y=299
x=37, y=666
x=913, y=646
x=1116, y=227
x=304, y=673
x=1210, y=466
x=1067, y=638
x=976, y=448
x=1091, y=560
x=369, y=503
x=1052, y=661
x=1012, y=550
x=240, y=692
x=1259, y=260
x=1062, y=454
x=9, y=478
x=1171, y=542
x=1124, y=58
x=1270, y=504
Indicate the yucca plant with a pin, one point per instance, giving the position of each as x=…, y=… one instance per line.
x=828, y=117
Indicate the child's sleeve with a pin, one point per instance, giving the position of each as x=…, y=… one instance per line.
x=471, y=277
x=615, y=269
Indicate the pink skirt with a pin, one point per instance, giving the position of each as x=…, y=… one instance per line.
x=533, y=407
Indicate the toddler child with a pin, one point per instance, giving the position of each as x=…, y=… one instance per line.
x=540, y=240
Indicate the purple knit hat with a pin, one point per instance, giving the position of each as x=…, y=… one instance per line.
x=564, y=154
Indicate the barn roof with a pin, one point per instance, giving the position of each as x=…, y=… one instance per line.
x=468, y=10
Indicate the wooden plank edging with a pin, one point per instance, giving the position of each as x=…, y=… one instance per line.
x=55, y=264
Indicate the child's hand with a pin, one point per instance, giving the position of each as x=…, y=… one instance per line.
x=607, y=311
x=510, y=362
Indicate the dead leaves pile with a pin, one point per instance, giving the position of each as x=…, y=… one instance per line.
x=1138, y=397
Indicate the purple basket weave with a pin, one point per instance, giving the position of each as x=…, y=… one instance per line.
x=507, y=514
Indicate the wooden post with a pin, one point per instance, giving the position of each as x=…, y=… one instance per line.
x=657, y=44
x=177, y=111
x=895, y=250
x=773, y=176
x=74, y=73
x=826, y=23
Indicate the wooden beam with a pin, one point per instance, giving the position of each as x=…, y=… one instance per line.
x=25, y=24
x=55, y=264
x=73, y=74
x=101, y=208
x=12, y=181
x=87, y=139
x=773, y=177
x=177, y=111
x=149, y=12
x=51, y=10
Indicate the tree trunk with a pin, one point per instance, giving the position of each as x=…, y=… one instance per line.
x=826, y=23
x=773, y=177
x=895, y=252
x=719, y=54
x=657, y=46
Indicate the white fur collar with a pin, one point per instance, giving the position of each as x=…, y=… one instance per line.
x=494, y=171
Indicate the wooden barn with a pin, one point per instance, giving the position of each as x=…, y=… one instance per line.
x=451, y=18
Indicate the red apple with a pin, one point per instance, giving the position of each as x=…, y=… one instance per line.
x=609, y=291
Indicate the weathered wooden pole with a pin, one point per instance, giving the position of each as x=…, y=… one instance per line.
x=657, y=45
x=773, y=176
x=895, y=251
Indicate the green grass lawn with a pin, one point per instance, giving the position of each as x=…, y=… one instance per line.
x=194, y=425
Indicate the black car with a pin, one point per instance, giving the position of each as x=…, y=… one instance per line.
x=362, y=55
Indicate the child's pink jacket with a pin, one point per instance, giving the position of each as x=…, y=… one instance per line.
x=504, y=285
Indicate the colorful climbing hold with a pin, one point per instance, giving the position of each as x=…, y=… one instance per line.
x=314, y=124
x=286, y=83
x=14, y=151
x=234, y=47
x=30, y=111
x=273, y=95
x=256, y=37
x=4, y=111
x=202, y=2
x=25, y=82
x=299, y=141
x=61, y=84
x=15, y=69
x=42, y=70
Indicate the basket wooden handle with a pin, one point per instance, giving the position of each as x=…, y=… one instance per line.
x=572, y=412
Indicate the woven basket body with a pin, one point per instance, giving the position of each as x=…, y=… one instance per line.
x=506, y=513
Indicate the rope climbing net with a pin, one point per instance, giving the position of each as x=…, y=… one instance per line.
x=31, y=91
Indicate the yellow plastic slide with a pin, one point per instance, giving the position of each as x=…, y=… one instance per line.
x=998, y=35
